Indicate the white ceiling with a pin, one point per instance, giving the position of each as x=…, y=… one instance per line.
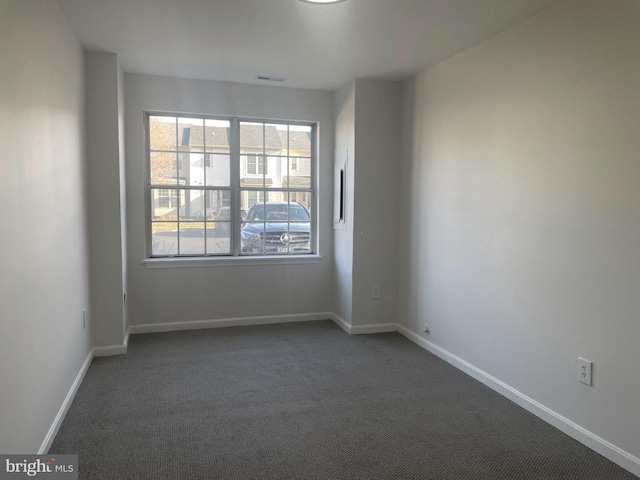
x=313, y=46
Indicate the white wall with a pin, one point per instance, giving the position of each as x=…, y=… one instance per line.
x=184, y=294
x=123, y=194
x=104, y=179
x=520, y=186
x=345, y=138
x=43, y=247
x=375, y=231
x=368, y=132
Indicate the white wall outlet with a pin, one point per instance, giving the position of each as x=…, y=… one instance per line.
x=84, y=319
x=375, y=291
x=584, y=371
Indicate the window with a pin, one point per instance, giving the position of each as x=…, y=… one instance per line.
x=167, y=198
x=229, y=187
x=254, y=165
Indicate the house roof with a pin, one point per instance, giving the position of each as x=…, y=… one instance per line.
x=251, y=137
x=299, y=142
x=256, y=182
x=302, y=181
x=191, y=135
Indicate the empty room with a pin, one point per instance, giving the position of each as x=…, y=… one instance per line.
x=315, y=239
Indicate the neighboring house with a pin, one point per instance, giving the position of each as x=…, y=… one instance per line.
x=299, y=175
x=203, y=159
x=271, y=159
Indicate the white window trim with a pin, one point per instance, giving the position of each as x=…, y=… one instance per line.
x=234, y=258
x=229, y=261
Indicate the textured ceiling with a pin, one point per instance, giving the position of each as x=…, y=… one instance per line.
x=313, y=46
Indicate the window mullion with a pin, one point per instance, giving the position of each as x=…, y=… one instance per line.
x=205, y=192
x=288, y=193
x=177, y=187
x=149, y=193
x=314, y=188
x=235, y=186
x=264, y=182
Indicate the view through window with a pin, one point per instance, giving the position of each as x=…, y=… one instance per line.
x=229, y=187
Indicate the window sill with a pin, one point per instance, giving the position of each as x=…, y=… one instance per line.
x=183, y=262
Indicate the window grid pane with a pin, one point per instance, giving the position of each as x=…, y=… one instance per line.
x=198, y=217
x=279, y=226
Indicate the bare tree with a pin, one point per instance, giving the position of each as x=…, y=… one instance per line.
x=164, y=165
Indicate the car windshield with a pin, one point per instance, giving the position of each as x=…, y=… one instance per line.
x=278, y=213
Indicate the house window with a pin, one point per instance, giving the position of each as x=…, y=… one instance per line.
x=222, y=187
x=167, y=198
x=250, y=197
x=254, y=164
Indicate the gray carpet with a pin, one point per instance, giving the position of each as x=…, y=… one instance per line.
x=304, y=401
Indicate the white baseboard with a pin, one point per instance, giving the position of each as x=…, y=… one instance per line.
x=373, y=328
x=608, y=450
x=95, y=352
x=228, y=322
x=55, y=426
x=248, y=321
x=343, y=324
x=110, y=350
x=363, y=329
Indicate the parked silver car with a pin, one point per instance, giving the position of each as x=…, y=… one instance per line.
x=276, y=228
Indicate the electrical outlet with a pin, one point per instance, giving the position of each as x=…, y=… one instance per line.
x=426, y=329
x=584, y=371
x=84, y=319
x=375, y=291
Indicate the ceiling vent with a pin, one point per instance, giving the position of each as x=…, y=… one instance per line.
x=267, y=78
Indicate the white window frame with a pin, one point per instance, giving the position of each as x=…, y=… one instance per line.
x=189, y=260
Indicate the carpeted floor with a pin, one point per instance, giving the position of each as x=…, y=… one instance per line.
x=304, y=401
